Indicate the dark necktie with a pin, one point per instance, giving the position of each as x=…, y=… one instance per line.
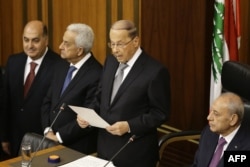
x=217, y=155
x=68, y=78
x=29, y=78
x=118, y=79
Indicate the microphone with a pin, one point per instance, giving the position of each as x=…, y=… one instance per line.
x=131, y=139
x=41, y=142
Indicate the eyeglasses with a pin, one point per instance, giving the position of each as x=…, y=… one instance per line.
x=119, y=45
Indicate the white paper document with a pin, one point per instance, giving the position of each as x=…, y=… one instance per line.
x=88, y=161
x=90, y=116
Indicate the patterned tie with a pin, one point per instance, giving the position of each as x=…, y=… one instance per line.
x=217, y=155
x=118, y=79
x=68, y=78
x=29, y=78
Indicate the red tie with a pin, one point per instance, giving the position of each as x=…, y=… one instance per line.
x=29, y=78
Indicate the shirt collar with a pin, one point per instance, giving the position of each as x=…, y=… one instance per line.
x=138, y=52
x=37, y=61
x=230, y=137
x=82, y=61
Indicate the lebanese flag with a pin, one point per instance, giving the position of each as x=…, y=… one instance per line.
x=226, y=40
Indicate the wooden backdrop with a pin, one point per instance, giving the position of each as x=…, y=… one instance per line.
x=179, y=34
x=57, y=14
x=176, y=32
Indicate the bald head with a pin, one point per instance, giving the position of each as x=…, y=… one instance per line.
x=233, y=102
x=35, y=39
x=38, y=26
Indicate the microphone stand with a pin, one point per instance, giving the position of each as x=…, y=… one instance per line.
x=131, y=139
x=61, y=109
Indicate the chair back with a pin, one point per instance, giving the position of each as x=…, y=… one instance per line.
x=235, y=78
x=35, y=140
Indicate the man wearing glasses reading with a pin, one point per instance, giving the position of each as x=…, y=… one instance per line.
x=134, y=98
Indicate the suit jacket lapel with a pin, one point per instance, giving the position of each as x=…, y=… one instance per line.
x=60, y=79
x=211, y=146
x=236, y=142
x=20, y=75
x=41, y=73
x=110, y=79
x=83, y=69
x=132, y=75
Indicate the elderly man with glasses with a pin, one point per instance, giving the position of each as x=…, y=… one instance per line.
x=133, y=97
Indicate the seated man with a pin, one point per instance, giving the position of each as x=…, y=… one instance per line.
x=225, y=121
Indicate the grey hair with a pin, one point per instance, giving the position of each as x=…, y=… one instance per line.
x=126, y=25
x=85, y=36
x=234, y=104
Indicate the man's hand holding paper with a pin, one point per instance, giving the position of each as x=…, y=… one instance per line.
x=81, y=122
x=87, y=116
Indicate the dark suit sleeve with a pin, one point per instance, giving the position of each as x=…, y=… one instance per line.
x=207, y=145
x=1, y=101
x=1, y=90
x=197, y=154
x=95, y=103
x=4, y=136
x=45, y=110
x=72, y=130
x=159, y=104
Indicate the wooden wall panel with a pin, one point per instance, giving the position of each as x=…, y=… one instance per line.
x=129, y=13
x=113, y=4
x=45, y=11
x=32, y=9
x=245, y=31
x=16, y=26
x=6, y=30
x=179, y=34
x=57, y=14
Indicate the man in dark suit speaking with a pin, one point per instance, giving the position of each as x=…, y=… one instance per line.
x=27, y=79
x=137, y=107
x=76, y=48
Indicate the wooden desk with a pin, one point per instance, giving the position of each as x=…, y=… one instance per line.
x=41, y=158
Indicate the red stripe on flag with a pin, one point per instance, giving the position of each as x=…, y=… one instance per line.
x=238, y=18
x=230, y=30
